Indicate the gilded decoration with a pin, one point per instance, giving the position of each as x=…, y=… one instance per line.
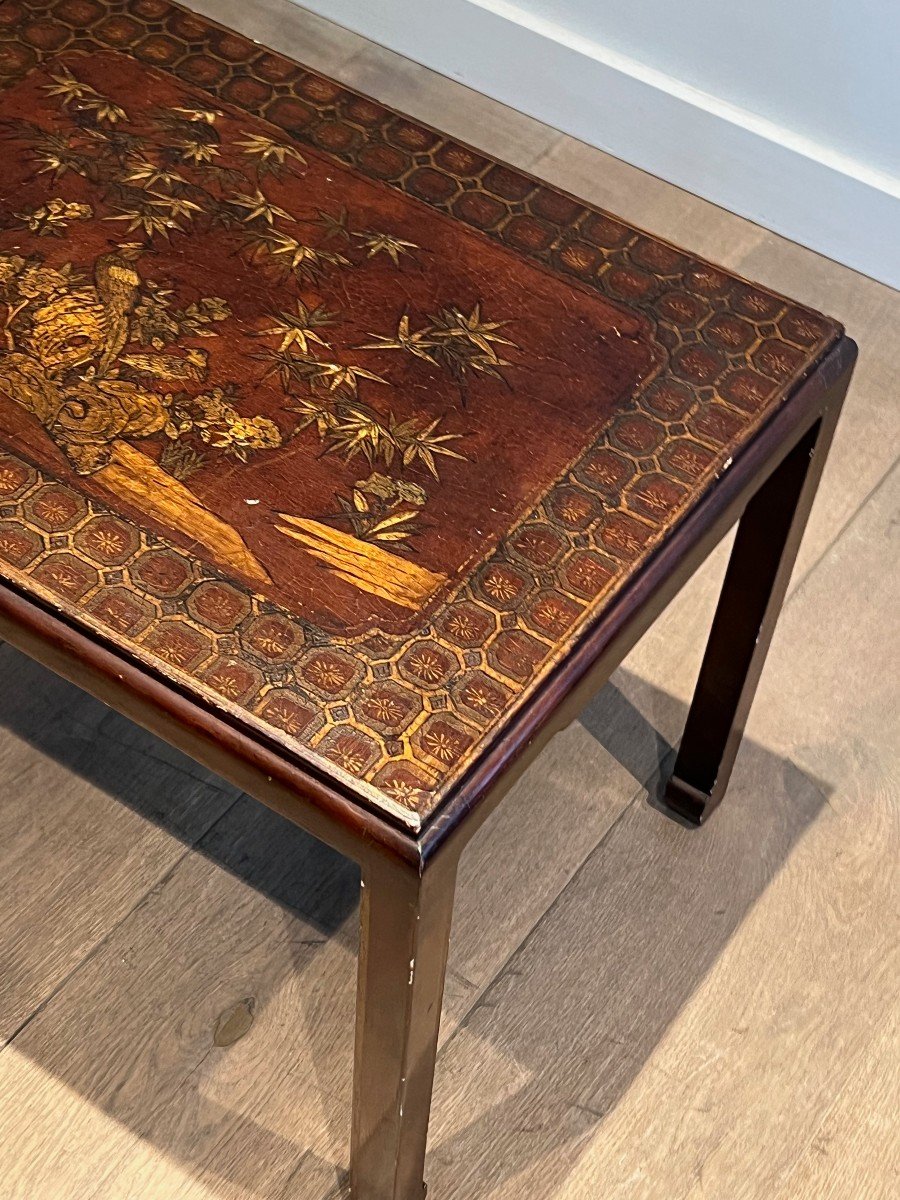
x=350, y=427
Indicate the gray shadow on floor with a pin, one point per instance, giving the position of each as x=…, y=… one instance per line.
x=674, y=942
x=657, y=904
x=166, y=787
x=619, y=725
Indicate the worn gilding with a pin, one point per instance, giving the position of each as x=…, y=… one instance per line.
x=344, y=427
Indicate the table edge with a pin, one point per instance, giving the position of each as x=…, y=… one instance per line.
x=294, y=787
x=528, y=728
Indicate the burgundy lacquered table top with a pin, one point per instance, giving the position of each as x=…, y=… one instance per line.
x=334, y=423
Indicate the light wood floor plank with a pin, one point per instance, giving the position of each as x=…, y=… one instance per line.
x=856, y=1149
x=132, y=1036
x=93, y=813
x=633, y=1011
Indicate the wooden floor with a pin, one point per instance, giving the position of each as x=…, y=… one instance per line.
x=634, y=1011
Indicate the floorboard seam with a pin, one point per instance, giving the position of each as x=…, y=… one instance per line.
x=63, y=983
x=187, y=849
x=532, y=931
x=845, y=528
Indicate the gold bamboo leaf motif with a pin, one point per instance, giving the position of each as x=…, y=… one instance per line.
x=269, y=155
x=349, y=428
x=259, y=207
x=418, y=343
x=175, y=206
x=315, y=410
x=423, y=444
x=147, y=218
x=385, y=243
x=195, y=151
x=141, y=170
x=105, y=110
x=294, y=256
x=67, y=88
x=280, y=364
x=72, y=92
x=466, y=343
x=333, y=227
x=454, y=323
x=357, y=430
x=115, y=144
x=388, y=529
x=452, y=339
x=54, y=153
x=337, y=376
x=197, y=114
x=301, y=328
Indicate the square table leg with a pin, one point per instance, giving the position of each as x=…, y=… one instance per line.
x=759, y=570
x=404, y=934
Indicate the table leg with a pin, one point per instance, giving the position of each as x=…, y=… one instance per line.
x=405, y=930
x=762, y=559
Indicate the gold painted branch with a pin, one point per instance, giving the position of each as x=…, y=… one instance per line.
x=135, y=477
x=364, y=565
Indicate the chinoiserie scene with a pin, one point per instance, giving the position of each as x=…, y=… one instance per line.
x=448, y=487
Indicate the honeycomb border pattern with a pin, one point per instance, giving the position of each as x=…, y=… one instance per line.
x=397, y=721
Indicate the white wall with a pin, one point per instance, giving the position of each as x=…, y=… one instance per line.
x=829, y=70
x=786, y=111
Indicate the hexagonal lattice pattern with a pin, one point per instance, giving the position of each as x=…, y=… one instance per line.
x=399, y=720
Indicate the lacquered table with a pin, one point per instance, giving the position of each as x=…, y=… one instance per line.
x=352, y=462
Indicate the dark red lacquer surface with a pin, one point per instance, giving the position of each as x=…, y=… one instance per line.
x=336, y=423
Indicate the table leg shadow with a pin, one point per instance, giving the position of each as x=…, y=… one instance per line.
x=679, y=921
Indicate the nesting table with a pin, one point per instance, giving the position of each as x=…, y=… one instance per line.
x=353, y=462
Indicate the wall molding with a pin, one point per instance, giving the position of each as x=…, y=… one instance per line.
x=798, y=188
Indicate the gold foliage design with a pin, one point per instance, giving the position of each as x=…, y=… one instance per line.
x=71, y=367
x=100, y=352
x=459, y=342
x=512, y=617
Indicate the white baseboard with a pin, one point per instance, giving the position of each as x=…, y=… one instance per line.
x=805, y=191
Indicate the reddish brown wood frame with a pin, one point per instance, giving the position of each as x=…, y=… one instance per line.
x=664, y=367
x=408, y=876
x=409, y=881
